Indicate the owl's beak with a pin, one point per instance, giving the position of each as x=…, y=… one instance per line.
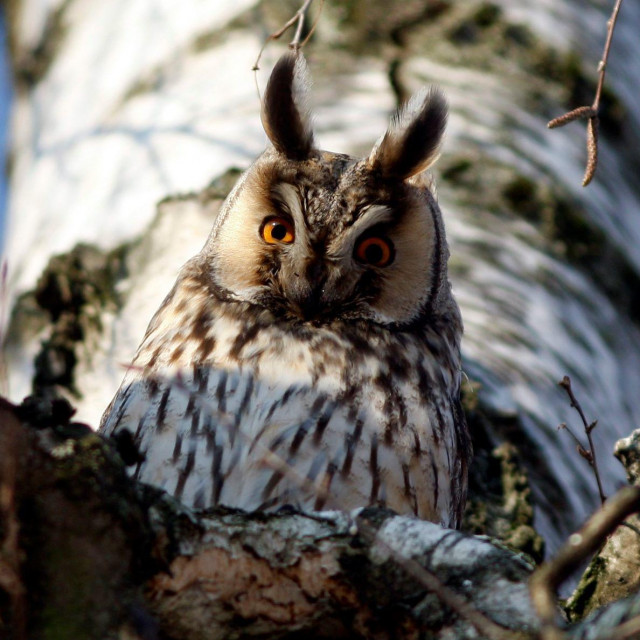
x=307, y=291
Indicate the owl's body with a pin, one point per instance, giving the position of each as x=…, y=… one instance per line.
x=309, y=355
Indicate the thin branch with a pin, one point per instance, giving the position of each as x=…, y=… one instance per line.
x=592, y=112
x=548, y=577
x=298, y=19
x=602, y=66
x=579, y=446
x=590, y=454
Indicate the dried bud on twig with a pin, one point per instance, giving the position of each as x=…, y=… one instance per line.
x=592, y=150
x=576, y=114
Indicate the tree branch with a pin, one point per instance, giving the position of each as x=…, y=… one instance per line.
x=590, y=454
x=591, y=113
x=548, y=577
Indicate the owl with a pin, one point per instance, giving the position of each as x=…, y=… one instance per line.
x=309, y=355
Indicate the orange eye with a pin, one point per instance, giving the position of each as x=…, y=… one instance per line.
x=277, y=231
x=375, y=251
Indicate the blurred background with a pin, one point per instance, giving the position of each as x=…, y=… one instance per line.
x=131, y=118
x=5, y=102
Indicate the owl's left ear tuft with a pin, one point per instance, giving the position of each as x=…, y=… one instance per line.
x=285, y=114
x=412, y=142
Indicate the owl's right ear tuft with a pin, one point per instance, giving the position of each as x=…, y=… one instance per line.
x=285, y=114
x=412, y=142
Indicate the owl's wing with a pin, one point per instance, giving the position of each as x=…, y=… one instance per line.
x=225, y=437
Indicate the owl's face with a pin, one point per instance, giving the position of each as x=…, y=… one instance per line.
x=315, y=236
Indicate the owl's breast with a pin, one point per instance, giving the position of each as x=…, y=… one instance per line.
x=316, y=417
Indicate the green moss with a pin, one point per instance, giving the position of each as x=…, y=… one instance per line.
x=580, y=602
x=486, y=15
x=71, y=294
x=220, y=187
x=500, y=503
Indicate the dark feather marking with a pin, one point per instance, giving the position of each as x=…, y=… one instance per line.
x=267, y=419
x=323, y=421
x=394, y=406
x=424, y=385
x=207, y=345
x=325, y=487
x=301, y=432
x=162, y=407
x=374, y=469
x=141, y=423
x=417, y=447
x=244, y=338
x=136, y=473
x=184, y=473
x=124, y=405
x=177, y=354
x=248, y=393
x=200, y=325
x=436, y=488
x=201, y=377
x=177, y=448
x=195, y=420
x=315, y=467
x=217, y=478
x=158, y=351
x=209, y=433
x=409, y=489
x=280, y=402
x=305, y=427
x=273, y=481
x=191, y=405
x=351, y=442
x=439, y=428
x=220, y=392
x=153, y=386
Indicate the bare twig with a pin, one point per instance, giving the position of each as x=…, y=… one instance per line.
x=298, y=19
x=549, y=576
x=588, y=454
x=592, y=112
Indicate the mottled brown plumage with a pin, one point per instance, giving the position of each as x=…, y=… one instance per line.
x=310, y=354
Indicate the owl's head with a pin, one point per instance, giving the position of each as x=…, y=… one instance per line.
x=317, y=236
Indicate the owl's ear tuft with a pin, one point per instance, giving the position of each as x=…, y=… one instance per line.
x=412, y=142
x=285, y=114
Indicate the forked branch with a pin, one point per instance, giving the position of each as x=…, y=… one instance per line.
x=588, y=454
x=591, y=112
x=297, y=19
x=548, y=577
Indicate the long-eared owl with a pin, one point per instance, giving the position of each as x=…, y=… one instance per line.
x=309, y=355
